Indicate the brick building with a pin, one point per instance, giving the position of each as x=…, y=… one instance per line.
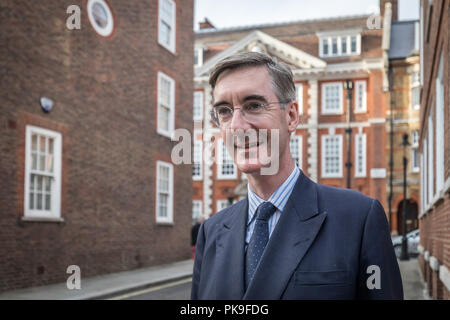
x=324, y=55
x=402, y=108
x=86, y=119
x=434, y=146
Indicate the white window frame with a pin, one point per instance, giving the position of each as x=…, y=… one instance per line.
x=440, y=130
x=299, y=96
x=339, y=173
x=55, y=207
x=197, y=156
x=173, y=24
x=430, y=157
x=199, y=205
x=222, y=202
x=105, y=32
x=171, y=107
x=169, y=218
x=415, y=149
x=361, y=108
x=425, y=172
x=328, y=39
x=361, y=172
x=325, y=110
x=199, y=53
x=299, y=154
x=220, y=159
x=198, y=97
x=422, y=184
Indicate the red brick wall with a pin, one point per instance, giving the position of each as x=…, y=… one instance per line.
x=104, y=91
x=434, y=225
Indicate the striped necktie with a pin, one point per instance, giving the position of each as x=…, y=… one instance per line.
x=259, y=240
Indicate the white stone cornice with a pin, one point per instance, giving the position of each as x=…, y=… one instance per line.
x=434, y=263
x=444, y=276
x=421, y=249
x=275, y=46
x=312, y=141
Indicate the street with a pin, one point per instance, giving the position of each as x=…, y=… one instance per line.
x=176, y=290
x=413, y=286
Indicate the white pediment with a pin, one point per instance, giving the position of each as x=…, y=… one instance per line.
x=262, y=42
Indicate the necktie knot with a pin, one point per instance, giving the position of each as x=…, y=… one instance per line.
x=265, y=211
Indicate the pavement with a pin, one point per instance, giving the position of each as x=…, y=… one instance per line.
x=108, y=285
x=114, y=284
x=414, y=287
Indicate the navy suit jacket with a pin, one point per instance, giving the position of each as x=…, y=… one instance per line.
x=325, y=246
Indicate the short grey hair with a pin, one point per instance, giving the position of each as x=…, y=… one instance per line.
x=281, y=75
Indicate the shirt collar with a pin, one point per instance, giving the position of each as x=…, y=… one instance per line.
x=279, y=198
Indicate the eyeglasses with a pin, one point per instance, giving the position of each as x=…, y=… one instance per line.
x=250, y=111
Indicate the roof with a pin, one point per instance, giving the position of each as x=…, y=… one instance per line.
x=404, y=39
x=277, y=24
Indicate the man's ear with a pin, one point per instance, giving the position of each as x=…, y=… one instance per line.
x=292, y=115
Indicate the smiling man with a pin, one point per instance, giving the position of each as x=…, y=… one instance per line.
x=290, y=238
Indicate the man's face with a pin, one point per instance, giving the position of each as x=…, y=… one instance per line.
x=239, y=86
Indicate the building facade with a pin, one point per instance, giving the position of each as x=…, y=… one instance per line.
x=402, y=111
x=329, y=58
x=434, y=147
x=91, y=94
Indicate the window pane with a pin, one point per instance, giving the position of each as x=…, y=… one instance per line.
x=334, y=45
x=47, y=202
x=49, y=166
x=39, y=201
x=325, y=46
x=34, y=142
x=34, y=161
x=32, y=178
x=42, y=162
x=50, y=145
x=42, y=144
x=344, y=45
x=353, y=44
x=39, y=183
x=164, y=118
x=164, y=33
x=48, y=184
x=31, y=200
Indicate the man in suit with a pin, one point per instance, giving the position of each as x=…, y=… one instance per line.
x=291, y=238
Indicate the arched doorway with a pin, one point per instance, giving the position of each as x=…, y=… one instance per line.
x=412, y=218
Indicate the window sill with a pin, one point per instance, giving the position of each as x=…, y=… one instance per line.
x=42, y=219
x=338, y=113
x=165, y=223
x=166, y=134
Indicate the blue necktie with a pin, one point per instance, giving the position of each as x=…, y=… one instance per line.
x=259, y=240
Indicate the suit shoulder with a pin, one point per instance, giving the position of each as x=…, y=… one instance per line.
x=340, y=199
x=225, y=214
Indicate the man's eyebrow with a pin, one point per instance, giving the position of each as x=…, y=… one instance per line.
x=220, y=103
x=255, y=97
x=247, y=98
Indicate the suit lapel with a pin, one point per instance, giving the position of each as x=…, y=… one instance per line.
x=230, y=254
x=295, y=232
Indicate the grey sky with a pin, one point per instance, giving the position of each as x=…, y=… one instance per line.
x=228, y=13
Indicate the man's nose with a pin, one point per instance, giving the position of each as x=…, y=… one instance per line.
x=238, y=121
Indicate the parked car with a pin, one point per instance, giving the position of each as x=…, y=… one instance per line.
x=412, y=238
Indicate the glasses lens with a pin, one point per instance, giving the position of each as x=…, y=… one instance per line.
x=253, y=107
x=224, y=113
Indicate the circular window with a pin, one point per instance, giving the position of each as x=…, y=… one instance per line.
x=100, y=17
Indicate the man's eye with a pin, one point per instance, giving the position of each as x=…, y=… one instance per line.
x=253, y=106
x=223, y=111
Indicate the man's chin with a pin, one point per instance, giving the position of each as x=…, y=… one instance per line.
x=249, y=168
